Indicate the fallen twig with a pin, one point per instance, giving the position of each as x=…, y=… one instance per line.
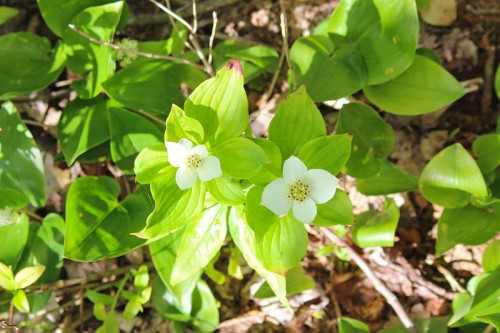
x=377, y=283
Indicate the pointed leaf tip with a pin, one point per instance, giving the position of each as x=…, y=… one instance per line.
x=235, y=65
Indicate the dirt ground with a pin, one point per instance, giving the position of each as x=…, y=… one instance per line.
x=468, y=48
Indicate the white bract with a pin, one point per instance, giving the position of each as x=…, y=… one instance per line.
x=193, y=163
x=300, y=190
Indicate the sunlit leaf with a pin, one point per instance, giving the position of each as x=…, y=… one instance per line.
x=374, y=228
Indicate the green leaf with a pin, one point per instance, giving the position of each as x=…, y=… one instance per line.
x=10, y=198
x=297, y=121
x=28, y=63
x=6, y=277
x=240, y=158
x=220, y=104
x=497, y=81
x=337, y=211
x=205, y=312
x=97, y=225
x=226, y=191
x=20, y=301
x=428, y=325
x=422, y=88
x=152, y=86
x=149, y=162
x=350, y=325
x=254, y=60
x=99, y=299
x=180, y=126
x=200, y=242
x=372, y=138
x=258, y=217
x=6, y=13
x=296, y=282
x=84, y=125
x=377, y=228
x=21, y=163
x=491, y=316
x=244, y=238
x=13, y=238
x=384, y=32
x=27, y=276
x=328, y=73
x=162, y=301
x=94, y=62
x=59, y=13
x=468, y=225
x=487, y=150
x=164, y=252
x=130, y=133
x=269, y=171
x=174, y=208
x=283, y=245
x=389, y=179
x=491, y=257
x=451, y=177
x=328, y=153
x=110, y=324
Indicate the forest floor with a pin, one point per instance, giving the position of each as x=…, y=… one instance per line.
x=425, y=285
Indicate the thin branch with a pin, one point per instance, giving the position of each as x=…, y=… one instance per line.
x=195, y=18
x=455, y=286
x=269, y=91
x=212, y=37
x=139, y=53
x=284, y=34
x=377, y=283
x=174, y=15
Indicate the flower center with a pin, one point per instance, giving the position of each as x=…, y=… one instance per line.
x=298, y=191
x=193, y=162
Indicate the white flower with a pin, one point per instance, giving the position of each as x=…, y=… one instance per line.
x=300, y=190
x=193, y=163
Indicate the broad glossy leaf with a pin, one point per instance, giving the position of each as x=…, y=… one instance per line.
x=205, y=313
x=174, y=208
x=152, y=86
x=272, y=169
x=328, y=153
x=149, y=162
x=384, y=32
x=163, y=303
x=226, y=191
x=244, y=238
x=28, y=63
x=254, y=60
x=422, y=88
x=372, y=137
x=337, y=211
x=6, y=277
x=374, y=228
x=13, y=238
x=491, y=316
x=468, y=225
x=297, y=121
x=491, y=257
x=95, y=63
x=258, y=217
x=240, y=158
x=97, y=225
x=12, y=199
x=59, y=13
x=283, y=245
x=451, y=177
x=84, y=125
x=27, y=276
x=163, y=252
x=180, y=126
x=350, y=325
x=296, y=282
x=201, y=241
x=328, y=73
x=389, y=179
x=220, y=104
x=130, y=133
x=487, y=150
x=6, y=13
x=21, y=163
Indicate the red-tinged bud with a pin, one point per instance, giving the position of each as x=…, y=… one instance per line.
x=235, y=65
